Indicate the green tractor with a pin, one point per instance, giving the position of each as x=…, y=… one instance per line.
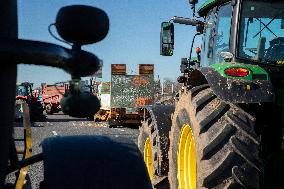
x=226, y=128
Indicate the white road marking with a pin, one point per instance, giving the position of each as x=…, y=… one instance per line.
x=54, y=133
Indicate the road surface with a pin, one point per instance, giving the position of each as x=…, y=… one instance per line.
x=63, y=125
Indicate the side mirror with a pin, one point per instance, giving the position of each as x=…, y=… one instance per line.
x=167, y=39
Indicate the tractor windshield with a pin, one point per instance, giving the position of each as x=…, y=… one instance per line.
x=22, y=91
x=261, y=36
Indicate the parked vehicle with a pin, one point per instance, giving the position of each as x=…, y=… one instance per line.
x=226, y=128
x=130, y=94
x=52, y=95
x=24, y=93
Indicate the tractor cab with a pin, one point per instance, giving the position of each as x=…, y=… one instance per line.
x=245, y=31
x=24, y=94
x=261, y=32
x=24, y=90
x=227, y=125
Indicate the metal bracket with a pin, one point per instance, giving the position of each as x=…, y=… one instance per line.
x=77, y=62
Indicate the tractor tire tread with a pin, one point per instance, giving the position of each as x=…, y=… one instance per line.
x=228, y=145
x=238, y=127
x=157, y=127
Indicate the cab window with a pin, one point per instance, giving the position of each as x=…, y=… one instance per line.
x=216, y=35
x=222, y=37
x=207, y=46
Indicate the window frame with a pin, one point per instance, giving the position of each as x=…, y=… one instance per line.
x=215, y=12
x=237, y=57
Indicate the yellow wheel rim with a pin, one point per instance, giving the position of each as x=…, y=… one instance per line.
x=148, y=158
x=186, y=159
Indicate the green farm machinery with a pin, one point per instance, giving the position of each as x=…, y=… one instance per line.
x=226, y=127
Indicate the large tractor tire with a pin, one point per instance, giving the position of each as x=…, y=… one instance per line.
x=153, y=142
x=213, y=144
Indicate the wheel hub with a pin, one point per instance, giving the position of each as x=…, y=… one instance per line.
x=186, y=161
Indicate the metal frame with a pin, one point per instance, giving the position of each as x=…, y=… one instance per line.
x=234, y=38
x=47, y=54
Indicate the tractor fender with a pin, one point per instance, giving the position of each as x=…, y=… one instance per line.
x=235, y=90
x=93, y=162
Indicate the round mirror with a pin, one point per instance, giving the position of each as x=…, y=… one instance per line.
x=81, y=24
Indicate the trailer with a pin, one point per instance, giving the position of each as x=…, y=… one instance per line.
x=130, y=94
x=51, y=96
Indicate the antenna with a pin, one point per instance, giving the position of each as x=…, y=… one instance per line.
x=193, y=3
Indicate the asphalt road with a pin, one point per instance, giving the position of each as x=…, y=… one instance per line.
x=63, y=125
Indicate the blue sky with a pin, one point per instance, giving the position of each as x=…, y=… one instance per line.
x=133, y=37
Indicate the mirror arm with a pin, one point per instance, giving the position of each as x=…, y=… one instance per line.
x=77, y=62
x=186, y=21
